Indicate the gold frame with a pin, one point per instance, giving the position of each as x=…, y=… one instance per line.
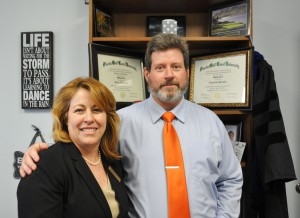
x=219, y=61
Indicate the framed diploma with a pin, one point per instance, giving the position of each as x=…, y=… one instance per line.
x=221, y=80
x=120, y=70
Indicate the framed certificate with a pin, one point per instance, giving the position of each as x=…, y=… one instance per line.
x=120, y=70
x=221, y=80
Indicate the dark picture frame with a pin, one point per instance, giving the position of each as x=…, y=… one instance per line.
x=222, y=80
x=121, y=70
x=154, y=25
x=234, y=130
x=104, y=24
x=230, y=20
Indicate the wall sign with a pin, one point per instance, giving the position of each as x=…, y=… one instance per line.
x=37, y=70
x=18, y=155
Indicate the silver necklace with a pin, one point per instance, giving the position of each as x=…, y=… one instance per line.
x=93, y=163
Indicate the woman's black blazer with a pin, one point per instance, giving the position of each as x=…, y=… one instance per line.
x=64, y=186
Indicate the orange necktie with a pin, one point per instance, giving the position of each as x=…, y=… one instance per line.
x=178, y=202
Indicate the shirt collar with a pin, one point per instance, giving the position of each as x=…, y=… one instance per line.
x=156, y=111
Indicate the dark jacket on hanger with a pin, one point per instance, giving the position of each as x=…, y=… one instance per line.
x=270, y=161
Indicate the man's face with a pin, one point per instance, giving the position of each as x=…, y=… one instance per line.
x=168, y=77
x=231, y=136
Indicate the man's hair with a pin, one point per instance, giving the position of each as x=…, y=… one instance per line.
x=163, y=42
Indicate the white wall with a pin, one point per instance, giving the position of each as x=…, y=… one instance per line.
x=68, y=20
x=277, y=37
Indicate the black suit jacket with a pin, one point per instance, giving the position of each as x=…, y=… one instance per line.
x=64, y=186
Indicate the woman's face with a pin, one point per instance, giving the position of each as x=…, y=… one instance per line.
x=86, y=122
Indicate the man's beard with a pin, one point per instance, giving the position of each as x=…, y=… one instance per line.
x=169, y=95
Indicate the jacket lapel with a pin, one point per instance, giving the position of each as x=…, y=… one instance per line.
x=89, y=178
x=116, y=185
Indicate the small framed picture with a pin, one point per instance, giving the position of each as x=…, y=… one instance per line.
x=222, y=80
x=234, y=130
x=230, y=20
x=120, y=70
x=104, y=24
x=166, y=24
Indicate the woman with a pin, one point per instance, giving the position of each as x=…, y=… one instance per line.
x=80, y=175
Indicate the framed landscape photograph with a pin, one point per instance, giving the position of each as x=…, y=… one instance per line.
x=222, y=80
x=230, y=20
x=120, y=70
x=155, y=24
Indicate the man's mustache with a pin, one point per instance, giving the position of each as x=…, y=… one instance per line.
x=169, y=82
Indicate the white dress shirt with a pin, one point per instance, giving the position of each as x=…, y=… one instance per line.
x=213, y=173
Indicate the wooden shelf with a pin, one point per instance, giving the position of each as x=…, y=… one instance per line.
x=158, y=6
x=130, y=32
x=130, y=28
x=198, y=45
x=231, y=112
x=130, y=23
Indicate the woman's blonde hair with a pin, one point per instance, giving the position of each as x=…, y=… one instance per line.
x=103, y=99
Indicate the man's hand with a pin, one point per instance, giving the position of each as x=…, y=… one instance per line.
x=31, y=157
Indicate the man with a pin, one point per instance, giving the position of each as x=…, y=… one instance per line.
x=231, y=135
x=212, y=172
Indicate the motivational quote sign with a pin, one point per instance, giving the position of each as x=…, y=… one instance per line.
x=37, y=70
